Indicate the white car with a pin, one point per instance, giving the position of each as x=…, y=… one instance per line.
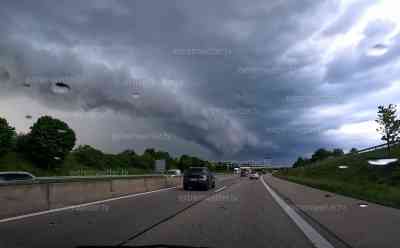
x=174, y=173
x=254, y=175
x=16, y=176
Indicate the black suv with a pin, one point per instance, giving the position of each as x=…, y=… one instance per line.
x=198, y=177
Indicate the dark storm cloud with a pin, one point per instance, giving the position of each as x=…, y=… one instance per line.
x=226, y=75
x=101, y=88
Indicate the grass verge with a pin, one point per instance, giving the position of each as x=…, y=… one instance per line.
x=380, y=194
x=359, y=180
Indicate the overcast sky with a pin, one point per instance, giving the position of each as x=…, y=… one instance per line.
x=218, y=79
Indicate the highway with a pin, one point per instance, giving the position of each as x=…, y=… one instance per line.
x=238, y=213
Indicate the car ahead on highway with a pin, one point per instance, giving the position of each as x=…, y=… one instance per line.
x=254, y=175
x=244, y=173
x=198, y=177
x=174, y=173
x=16, y=176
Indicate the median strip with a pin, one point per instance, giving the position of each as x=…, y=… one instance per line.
x=317, y=239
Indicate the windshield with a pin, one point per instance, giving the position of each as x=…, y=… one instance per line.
x=200, y=123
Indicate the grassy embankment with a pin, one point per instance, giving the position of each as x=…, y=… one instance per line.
x=359, y=180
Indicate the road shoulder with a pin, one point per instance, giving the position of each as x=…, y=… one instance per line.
x=341, y=216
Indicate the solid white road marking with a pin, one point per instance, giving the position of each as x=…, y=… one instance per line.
x=79, y=205
x=307, y=229
x=220, y=189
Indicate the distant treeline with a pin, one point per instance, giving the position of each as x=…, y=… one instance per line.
x=51, y=141
x=319, y=155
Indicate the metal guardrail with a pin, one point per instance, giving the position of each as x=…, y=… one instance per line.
x=372, y=148
x=45, y=180
x=99, y=177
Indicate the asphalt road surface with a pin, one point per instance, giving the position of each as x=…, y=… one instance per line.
x=238, y=213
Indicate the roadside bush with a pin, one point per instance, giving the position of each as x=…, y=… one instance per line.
x=145, y=161
x=90, y=157
x=395, y=178
x=373, y=177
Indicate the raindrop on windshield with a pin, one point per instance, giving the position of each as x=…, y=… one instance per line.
x=57, y=158
x=239, y=94
x=363, y=205
x=60, y=87
x=384, y=161
x=28, y=116
x=61, y=131
x=4, y=74
x=377, y=50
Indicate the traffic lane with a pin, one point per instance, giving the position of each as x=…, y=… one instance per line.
x=101, y=224
x=243, y=215
x=223, y=177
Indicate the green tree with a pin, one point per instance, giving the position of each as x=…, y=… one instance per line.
x=127, y=158
x=172, y=163
x=22, y=143
x=185, y=162
x=50, y=141
x=129, y=153
x=337, y=152
x=151, y=152
x=195, y=161
x=320, y=154
x=146, y=161
x=90, y=157
x=353, y=150
x=162, y=155
x=7, y=135
x=300, y=162
x=389, y=125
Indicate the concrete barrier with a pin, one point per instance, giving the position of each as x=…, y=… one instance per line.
x=174, y=181
x=126, y=186
x=71, y=193
x=19, y=198
x=155, y=183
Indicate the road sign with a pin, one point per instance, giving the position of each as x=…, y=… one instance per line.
x=160, y=166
